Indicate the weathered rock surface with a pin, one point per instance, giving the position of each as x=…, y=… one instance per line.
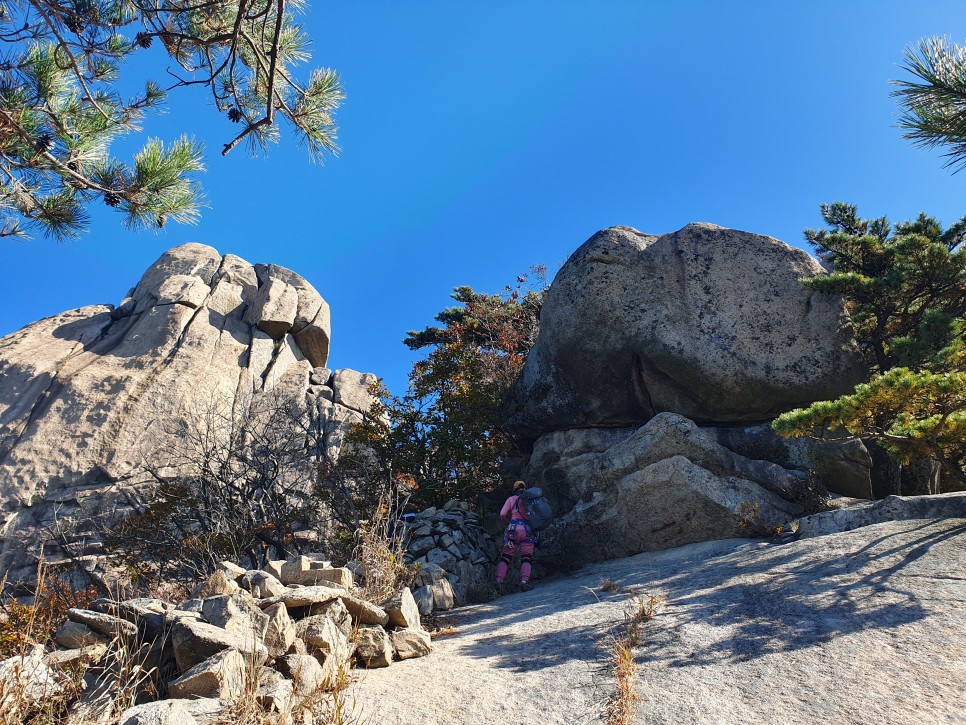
x=164, y=712
x=280, y=632
x=222, y=675
x=409, y=643
x=402, y=610
x=708, y=322
x=25, y=680
x=843, y=466
x=666, y=484
x=373, y=646
x=79, y=390
x=305, y=672
x=893, y=508
x=194, y=642
x=866, y=627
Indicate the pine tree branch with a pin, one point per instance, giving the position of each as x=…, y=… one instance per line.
x=73, y=61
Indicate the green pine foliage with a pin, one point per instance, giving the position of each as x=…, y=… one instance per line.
x=933, y=103
x=60, y=109
x=905, y=287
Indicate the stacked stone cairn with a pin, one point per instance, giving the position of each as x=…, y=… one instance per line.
x=284, y=634
x=453, y=553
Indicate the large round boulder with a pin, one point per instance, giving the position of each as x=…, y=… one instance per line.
x=708, y=322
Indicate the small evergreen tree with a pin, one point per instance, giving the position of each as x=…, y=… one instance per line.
x=445, y=437
x=60, y=108
x=905, y=288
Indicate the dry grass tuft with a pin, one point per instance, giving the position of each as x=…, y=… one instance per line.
x=624, y=699
x=620, y=706
x=609, y=585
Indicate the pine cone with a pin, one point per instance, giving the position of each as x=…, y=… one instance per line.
x=161, y=220
x=234, y=115
x=143, y=40
x=45, y=142
x=112, y=199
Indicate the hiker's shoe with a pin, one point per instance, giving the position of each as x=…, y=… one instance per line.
x=525, y=586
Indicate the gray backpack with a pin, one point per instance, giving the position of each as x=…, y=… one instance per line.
x=534, y=504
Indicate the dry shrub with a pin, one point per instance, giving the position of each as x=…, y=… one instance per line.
x=24, y=625
x=380, y=550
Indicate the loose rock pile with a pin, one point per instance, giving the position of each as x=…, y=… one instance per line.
x=454, y=554
x=281, y=635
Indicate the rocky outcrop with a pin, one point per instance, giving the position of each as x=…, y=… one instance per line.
x=666, y=484
x=843, y=465
x=892, y=508
x=708, y=322
x=223, y=647
x=84, y=395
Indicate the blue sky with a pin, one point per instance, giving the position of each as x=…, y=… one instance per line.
x=480, y=139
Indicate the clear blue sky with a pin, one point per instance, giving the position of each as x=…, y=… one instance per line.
x=481, y=138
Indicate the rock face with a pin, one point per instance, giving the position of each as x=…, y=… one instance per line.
x=82, y=393
x=666, y=484
x=708, y=322
x=827, y=628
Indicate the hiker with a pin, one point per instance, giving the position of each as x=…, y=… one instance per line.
x=516, y=536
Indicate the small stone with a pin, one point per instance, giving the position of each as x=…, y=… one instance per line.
x=74, y=635
x=409, y=643
x=237, y=614
x=429, y=573
x=326, y=637
x=337, y=612
x=261, y=584
x=274, y=568
x=305, y=671
x=163, y=712
x=26, y=678
x=442, y=559
x=423, y=596
x=274, y=691
x=373, y=647
x=232, y=570
x=304, y=596
x=340, y=576
x=74, y=658
x=194, y=642
x=217, y=584
x=443, y=597
x=105, y=624
x=223, y=675
x=402, y=610
x=422, y=545
x=280, y=632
